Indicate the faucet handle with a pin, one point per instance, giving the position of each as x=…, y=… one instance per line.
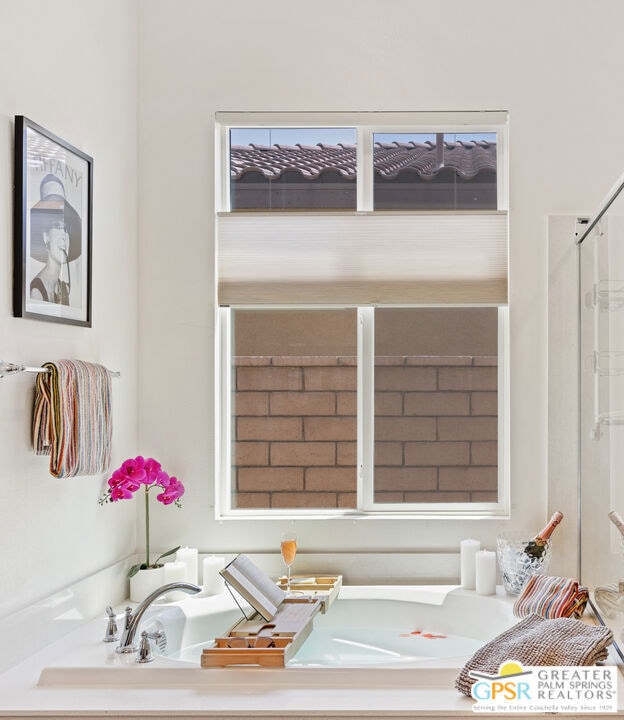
x=145, y=649
x=161, y=640
x=128, y=617
x=111, y=629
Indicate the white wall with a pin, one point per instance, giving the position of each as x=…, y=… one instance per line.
x=70, y=66
x=547, y=63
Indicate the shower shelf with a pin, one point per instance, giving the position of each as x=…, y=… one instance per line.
x=607, y=362
x=606, y=419
x=611, y=418
x=607, y=295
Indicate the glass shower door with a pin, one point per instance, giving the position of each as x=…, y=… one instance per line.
x=601, y=361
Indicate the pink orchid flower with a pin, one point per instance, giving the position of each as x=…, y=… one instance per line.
x=134, y=469
x=129, y=484
x=119, y=492
x=152, y=469
x=173, y=490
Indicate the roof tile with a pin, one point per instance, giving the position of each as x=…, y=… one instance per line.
x=390, y=159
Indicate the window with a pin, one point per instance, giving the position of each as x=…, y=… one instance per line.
x=292, y=168
x=441, y=171
x=363, y=354
x=386, y=409
x=328, y=168
x=294, y=408
x=436, y=406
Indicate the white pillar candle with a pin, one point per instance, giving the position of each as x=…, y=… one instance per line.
x=485, y=572
x=175, y=572
x=468, y=551
x=189, y=557
x=212, y=582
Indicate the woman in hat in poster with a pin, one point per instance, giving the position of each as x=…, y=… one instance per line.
x=55, y=239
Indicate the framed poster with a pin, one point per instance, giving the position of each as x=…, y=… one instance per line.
x=52, y=227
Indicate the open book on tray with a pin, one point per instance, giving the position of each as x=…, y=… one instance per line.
x=264, y=596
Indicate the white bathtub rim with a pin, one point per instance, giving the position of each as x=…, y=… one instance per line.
x=87, y=662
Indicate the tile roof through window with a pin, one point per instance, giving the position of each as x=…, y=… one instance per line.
x=466, y=159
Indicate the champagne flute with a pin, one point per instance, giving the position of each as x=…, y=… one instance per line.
x=289, y=551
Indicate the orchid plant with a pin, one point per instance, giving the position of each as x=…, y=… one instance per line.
x=139, y=472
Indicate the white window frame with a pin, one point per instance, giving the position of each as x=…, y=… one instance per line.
x=366, y=504
x=366, y=125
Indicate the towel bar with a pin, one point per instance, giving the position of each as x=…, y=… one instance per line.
x=7, y=369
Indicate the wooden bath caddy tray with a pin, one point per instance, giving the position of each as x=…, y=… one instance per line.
x=324, y=587
x=280, y=624
x=271, y=644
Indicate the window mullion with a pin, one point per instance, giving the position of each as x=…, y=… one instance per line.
x=222, y=163
x=364, y=170
x=503, y=408
x=502, y=193
x=223, y=500
x=366, y=407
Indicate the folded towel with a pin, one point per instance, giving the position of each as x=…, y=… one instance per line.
x=551, y=597
x=72, y=419
x=536, y=641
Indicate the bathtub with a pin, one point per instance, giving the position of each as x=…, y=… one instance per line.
x=367, y=627
x=387, y=669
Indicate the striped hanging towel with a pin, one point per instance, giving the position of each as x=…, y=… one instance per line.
x=551, y=597
x=72, y=418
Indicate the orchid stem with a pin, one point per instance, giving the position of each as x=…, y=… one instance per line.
x=147, y=547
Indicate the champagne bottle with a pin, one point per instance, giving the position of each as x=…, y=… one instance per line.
x=536, y=547
x=616, y=519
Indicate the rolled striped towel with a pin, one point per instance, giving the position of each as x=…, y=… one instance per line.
x=72, y=417
x=551, y=597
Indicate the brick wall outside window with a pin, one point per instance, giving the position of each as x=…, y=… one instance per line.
x=295, y=430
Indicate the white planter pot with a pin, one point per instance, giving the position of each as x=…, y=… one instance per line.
x=145, y=582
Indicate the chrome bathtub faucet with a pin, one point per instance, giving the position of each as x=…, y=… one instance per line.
x=133, y=619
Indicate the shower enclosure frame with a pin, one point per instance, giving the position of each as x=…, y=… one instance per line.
x=600, y=387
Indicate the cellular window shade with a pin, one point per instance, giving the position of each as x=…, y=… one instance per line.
x=362, y=258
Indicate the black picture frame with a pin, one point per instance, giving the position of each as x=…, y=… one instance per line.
x=53, y=215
